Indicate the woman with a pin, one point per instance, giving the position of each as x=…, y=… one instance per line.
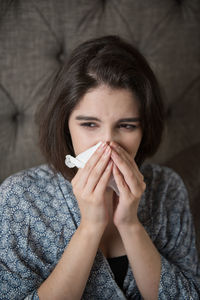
x=66, y=234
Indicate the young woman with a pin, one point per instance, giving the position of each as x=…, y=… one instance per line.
x=65, y=234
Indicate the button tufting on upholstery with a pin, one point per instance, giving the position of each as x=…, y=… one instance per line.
x=103, y=4
x=179, y=1
x=168, y=112
x=17, y=117
x=61, y=57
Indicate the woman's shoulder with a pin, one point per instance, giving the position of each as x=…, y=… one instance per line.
x=154, y=173
x=153, y=169
x=27, y=178
x=31, y=183
x=30, y=173
x=164, y=186
x=165, y=200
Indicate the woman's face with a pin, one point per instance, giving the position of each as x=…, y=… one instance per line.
x=106, y=114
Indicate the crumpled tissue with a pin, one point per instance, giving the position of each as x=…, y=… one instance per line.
x=80, y=160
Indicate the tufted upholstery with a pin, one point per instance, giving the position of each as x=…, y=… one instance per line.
x=37, y=36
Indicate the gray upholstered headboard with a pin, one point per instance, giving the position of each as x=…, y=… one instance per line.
x=36, y=36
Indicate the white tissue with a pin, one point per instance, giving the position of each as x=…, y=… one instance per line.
x=80, y=160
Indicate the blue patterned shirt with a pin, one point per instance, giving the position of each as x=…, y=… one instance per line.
x=39, y=214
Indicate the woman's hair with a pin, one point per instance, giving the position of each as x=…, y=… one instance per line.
x=109, y=61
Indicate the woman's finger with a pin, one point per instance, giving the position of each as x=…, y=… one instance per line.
x=98, y=170
x=122, y=152
x=82, y=175
x=120, y=181
x=131, y=177
x=103, y=181
x=125, y=155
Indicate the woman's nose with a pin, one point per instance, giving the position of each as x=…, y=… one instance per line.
x=109, y=136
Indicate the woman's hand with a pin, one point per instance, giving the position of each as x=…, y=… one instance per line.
x=89, y=185
x=130, y=183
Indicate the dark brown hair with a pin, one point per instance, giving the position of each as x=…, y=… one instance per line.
x=108, y=60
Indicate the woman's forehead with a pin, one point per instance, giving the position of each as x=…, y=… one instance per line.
x=104, y=100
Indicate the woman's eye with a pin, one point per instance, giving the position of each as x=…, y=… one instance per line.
x=128, y=126
x=88, y=124
x=125, y=126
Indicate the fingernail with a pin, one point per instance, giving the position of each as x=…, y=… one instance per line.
x=115, y=146
x=102, y=146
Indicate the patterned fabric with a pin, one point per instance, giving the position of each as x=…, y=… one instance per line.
x=39, y=214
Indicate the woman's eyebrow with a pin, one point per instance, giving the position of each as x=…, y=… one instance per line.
x=90, y=118
x=87, y=118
